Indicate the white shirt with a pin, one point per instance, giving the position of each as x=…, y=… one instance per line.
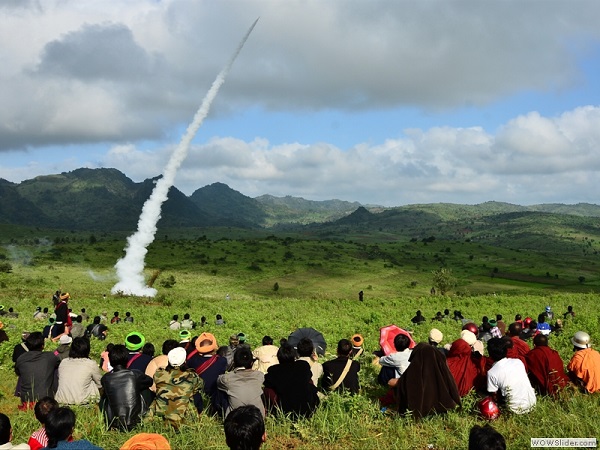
x=509, y=376
x=399, y=360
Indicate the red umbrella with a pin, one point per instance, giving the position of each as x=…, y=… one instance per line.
x=387, y=335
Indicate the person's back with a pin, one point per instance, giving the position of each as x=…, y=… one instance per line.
x=36, y=370
x=266, y=355
x=60, y=425
x=394, y=364
x=546, y=368
x=122, y=402
x=43, y=407
x=306, y=352
x=341, y=373
x=78, y=376
x=584, y=366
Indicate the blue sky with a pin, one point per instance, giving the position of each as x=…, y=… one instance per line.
x=381, y=102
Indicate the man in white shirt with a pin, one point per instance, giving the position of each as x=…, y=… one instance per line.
x=508, y=376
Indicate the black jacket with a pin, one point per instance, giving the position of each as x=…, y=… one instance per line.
x=123, y=404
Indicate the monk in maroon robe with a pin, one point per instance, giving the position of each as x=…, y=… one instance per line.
x=467, y=369
x=546, y=368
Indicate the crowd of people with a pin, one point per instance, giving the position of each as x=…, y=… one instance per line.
x=242, y=385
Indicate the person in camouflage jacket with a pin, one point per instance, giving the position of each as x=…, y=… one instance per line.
x=176, y=387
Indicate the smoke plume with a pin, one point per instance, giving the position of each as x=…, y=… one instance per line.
x=130, y=268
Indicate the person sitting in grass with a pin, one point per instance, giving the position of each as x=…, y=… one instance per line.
x=60, y=425
x=546, y=368
x=209, y=366
x=509, y=378
x=427, y=386
x=176, y=386
x=6, y=435
x=115, y=319
x=78, y=376
x=174, y=324
x=529, y=330
x=96, y=329
x=138, y=360
x=77, y=329
x=570, y=314
x=245, y=428
x=394, y=364
x=584, y=367
x=265, y=356
x=543, y=327
x=306, y=352
x=128, y=318
x=38, y=438
x=160, y=361
x=187, y=323
x=341, y=373
x=243, y=385
x=466, y=366
x=288, y=385
x=122, y=403
x=418, y=318
x=519, y=347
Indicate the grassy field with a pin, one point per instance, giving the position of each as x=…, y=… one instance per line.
x=318, y=287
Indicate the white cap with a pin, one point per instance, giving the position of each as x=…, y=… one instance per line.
x=65, y=339
x=468, y=337
x=177, y=356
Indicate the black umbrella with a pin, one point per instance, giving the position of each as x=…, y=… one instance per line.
x=315, y=336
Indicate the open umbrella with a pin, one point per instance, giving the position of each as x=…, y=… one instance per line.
x=387, y=335
x=315, y=336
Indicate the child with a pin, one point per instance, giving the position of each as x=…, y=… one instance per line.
x=42, y=408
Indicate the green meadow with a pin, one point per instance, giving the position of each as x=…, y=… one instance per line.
x=277, y=283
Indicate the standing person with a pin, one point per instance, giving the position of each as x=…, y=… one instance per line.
x=288, y=385
x=78, y=376
x=176, y=387
x=60, y=425
x=427, y=386
x=342, y=372
x=122, y=403
x=508, y=375
x=36, y=371
x=245, y=428
x=546, y=368
x=584, y=367
x=62, y=323
x=243, y=385
x=265, y=356
x=43, y=407
x=361, y=296
x=6, y=435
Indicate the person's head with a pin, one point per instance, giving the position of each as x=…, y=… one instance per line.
x=286, y=354
x=498, y=317
x=148, y=349
x=169, y=345
x=305, y=347
x=135, y=341
x=581, y=340
x=203, y=319
x=435, y=336
x=541, y=318
x=116, y=313
x=5, y=429
x=218, y=317
x=96, y=320
x=83, y=310
x=59, y=425
x=80, y=348
x=497, y=348
x=515, y=329
x=43, y=407
x=243, y=357
x=518, y=317
x=35, y=341
x=484, y=319
x=118, y=355
x=127, y=314
x=234, y=340
x=472, y=327
x=245, y=428
x=569, y=308
x=486, y=326
x=186, y=316
x=175, y=317
x=78, y=319
x=45, y=310
x=267, y=340
x=177, y=357
x=446, y=312
x=401, y=342
x=344, y=347
x=485, y=438
x=185, y=335
x=540, y=340
x=206, y=343
x=533, y=325
x=418, y=314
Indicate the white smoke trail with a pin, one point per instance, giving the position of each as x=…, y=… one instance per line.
x=130, y=268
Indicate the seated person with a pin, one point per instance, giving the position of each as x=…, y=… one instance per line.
x=60, y=424
x=306, y=352
x=546, y=368
x=394, y=364
x=418, y=318
x=38, y=438
x=341, y=373
x=243, y=385
x=288, y=385
x=6, y=435
x=543, y=327
x=265, y=356
x=245, y=428
x=509, y=377
x=584, y=367
x=96, y=329
x=122, y=403
x=147, y=441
